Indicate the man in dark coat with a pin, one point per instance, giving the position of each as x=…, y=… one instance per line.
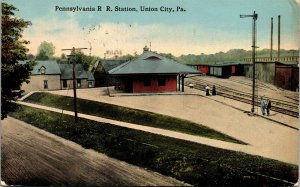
x=214, y=90
x=268, y=106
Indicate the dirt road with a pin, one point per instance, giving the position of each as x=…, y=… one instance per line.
x=31, y=156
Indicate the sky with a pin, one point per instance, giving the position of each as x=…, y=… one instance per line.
x=206, y=26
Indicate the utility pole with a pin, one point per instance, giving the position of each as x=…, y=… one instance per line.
x=278, y=55
x=271, y=52
x=254, y=16
x=74, y=79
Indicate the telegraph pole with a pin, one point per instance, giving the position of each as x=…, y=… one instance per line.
x=74, y=80
x=271, y=52
x=254, y=16
x=278, y=55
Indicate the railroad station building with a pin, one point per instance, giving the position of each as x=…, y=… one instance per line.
x=150, y=72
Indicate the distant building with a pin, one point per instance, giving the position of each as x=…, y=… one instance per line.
x=267, y=58
x=220, y=69
x=282, y=72
x=49, y=75
x=101, y=69
x=150, y=72
x=44, y=76
x=84, y=79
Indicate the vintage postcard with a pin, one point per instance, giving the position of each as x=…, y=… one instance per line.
x=150, y=92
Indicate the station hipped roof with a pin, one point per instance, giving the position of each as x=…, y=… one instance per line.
x=152, y=63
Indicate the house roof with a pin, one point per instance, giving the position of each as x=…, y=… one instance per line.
x=90, y=76
x=64, y=70
x=111, y=64
x=80, y=73
x=151, y=63
x=51, y=67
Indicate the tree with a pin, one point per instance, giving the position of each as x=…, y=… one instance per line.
x=30, y=56
x=13, y=73
x=85, y=60
x=42, y=56
x=46, y=51
x=63, y=56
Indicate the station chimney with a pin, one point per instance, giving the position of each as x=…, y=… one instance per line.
x=278, y=37
x=145, y=49
x=271, y=52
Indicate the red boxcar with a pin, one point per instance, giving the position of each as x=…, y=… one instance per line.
x=203, y=69
x=287, y=77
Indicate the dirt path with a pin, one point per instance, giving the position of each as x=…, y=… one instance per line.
x=31, y=155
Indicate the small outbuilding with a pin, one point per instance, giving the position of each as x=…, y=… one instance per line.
x=84, y=78
x=101, y=69
x=150, y=72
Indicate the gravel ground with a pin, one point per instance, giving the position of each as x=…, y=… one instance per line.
x=267, y=137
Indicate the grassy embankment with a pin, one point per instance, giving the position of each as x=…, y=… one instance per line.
x=129, y=115
x=190, y=162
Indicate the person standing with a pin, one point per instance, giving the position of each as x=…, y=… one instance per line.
x=268, y=107
x=214, y=90
x=207, y=90
x=262, y=105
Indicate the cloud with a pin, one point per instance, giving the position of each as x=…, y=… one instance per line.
x=130, y=38
x=62, y=33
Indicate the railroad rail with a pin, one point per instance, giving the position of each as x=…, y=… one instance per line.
x=280, y=106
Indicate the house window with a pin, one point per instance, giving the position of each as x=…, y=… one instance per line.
x=161, y=82
x=78, y=83
x=90, y=84
x=45, y=84
x=147, y=82
x=65, y=83
x=43, y=71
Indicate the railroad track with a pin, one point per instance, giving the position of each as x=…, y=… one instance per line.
x=260, y=85
x=280, y=106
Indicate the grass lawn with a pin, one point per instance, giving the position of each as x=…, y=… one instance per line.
x=190, y=162
x=130, y=115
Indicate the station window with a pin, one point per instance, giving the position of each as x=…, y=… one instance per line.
x=147, y=82
x=161, y=82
